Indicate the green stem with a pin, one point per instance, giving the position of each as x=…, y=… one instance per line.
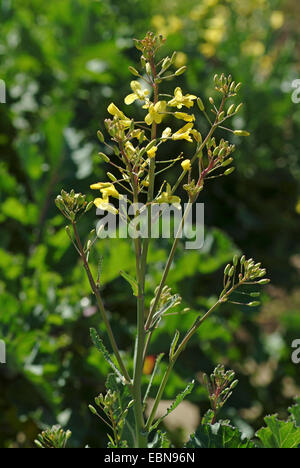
x=180, y=349
x=168, y=266
x=101, y=306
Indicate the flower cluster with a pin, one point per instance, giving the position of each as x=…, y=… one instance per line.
x=135, y=144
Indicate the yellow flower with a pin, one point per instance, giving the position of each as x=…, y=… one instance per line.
x=138, y=93
x=208, y=50
x=130, y=149
x=184, y=116
x=183, y=133
x=107, y=189
x=166, y=133
x=152, y=152
x=111, y=191
x=167, y=197
x=103, y=204
x=277, y=19
x=180, y=100
x=180, y=59
x=100, y=185
x=155, y=112
x=186, y=165
x=116, y=112
x=137, y=134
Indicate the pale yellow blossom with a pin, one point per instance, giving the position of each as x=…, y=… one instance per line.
x=183, y=133
x=155, y=112
x=138, y=93
x=180, y=100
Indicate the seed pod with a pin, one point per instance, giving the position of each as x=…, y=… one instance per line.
x=227, y=268
x=239, y=107
x=231, y=271
x=235, y=260
x=211, y=100
x=253, y=304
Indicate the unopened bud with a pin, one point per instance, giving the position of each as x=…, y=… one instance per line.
x=241, y=133
x=200, y=104
x=104, y=157
x=229, y=171
x=180, y=71
x=133, y=71
x=100, y=136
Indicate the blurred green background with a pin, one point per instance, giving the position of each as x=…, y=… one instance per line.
x=63, y=62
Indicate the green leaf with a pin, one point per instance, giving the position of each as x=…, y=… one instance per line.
x=101, y=348
x=157, y=362
x=173, y=345
x=218, y=436
x=160, y=441
x=180, y=397
x=279, y=434
x=131, y=281
x=295, y=412
x=208, y=417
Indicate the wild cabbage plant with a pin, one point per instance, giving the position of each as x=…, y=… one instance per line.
x=134, y=154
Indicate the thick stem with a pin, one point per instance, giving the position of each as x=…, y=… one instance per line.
x=141, y=262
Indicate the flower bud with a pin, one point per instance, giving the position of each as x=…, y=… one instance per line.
x=133, y=71
x=200, y=104
x=111, y=177
x=241, y=133
x=104, y=157
x=231, y=109
x=227, y=162
x=229, y=171
x=180, y=71
x=100, y=136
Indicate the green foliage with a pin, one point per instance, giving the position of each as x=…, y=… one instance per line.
x=60, y=75
x=279, y=434
x=101, y=348
x=180, y=397
x=218, y=435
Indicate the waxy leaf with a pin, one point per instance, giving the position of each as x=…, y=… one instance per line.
x=279, y=434
x=218, y=436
